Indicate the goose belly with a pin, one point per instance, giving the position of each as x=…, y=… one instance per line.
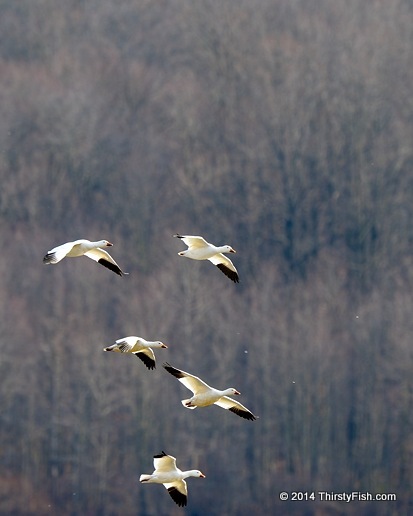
x=200, y=254
x=203, y=400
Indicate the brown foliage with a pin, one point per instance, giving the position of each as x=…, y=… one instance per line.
x=281, y=128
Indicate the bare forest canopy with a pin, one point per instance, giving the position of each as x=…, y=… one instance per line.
x=283, y=128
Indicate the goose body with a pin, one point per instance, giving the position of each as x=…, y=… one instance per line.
x=171, y=477
x=140, y=347
x=200, y=249
x=84, y=248
x=204, y=395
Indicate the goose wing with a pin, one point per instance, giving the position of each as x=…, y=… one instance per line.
x=193, y=241
x=147, y=356
x=226, y=266
x=125, y=345
x=58, y=253
x=164, y=463
x=178, y=492
x=235, y=407
x=191, y=382
x=104, y=258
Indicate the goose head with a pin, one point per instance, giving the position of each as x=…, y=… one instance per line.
x=195, y=473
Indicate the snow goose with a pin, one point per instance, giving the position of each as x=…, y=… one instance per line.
x=171, y=477
x=84, y=247
x=205, y=395
x=140, y=347
x=200, y=249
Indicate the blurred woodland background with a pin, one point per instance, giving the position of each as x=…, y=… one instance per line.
x=281, y=127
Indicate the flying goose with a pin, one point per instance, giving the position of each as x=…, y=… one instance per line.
x=205, y=395
x=84, y=247
x=140, y=347
x=200, y=249
x=171, y=477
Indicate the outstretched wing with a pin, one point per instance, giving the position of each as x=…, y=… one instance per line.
x=124, y=346
x=164, y=462
x=226, y=266
x=178, y=492
x=58, y=253
x=104, y=258
x=193, y=241
x=147, y=356
x=191, y=382
x=235, y=407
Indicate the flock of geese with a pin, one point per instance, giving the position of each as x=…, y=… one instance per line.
x=165, y=470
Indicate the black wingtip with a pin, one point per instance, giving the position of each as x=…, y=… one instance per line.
x=49, y=258
x=177, y=235
x=150, y=364
x=160, y=455
x=179, y=498
x=232, y=275
x=172, y=370
x=111, y=266
x=242, y=413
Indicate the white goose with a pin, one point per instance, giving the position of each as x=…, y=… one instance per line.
x=200, y=249
x=140, y=347
x=87, y=248
x=171, y=477
x=205, y=395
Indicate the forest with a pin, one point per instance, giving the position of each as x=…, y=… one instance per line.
x=283, y=128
